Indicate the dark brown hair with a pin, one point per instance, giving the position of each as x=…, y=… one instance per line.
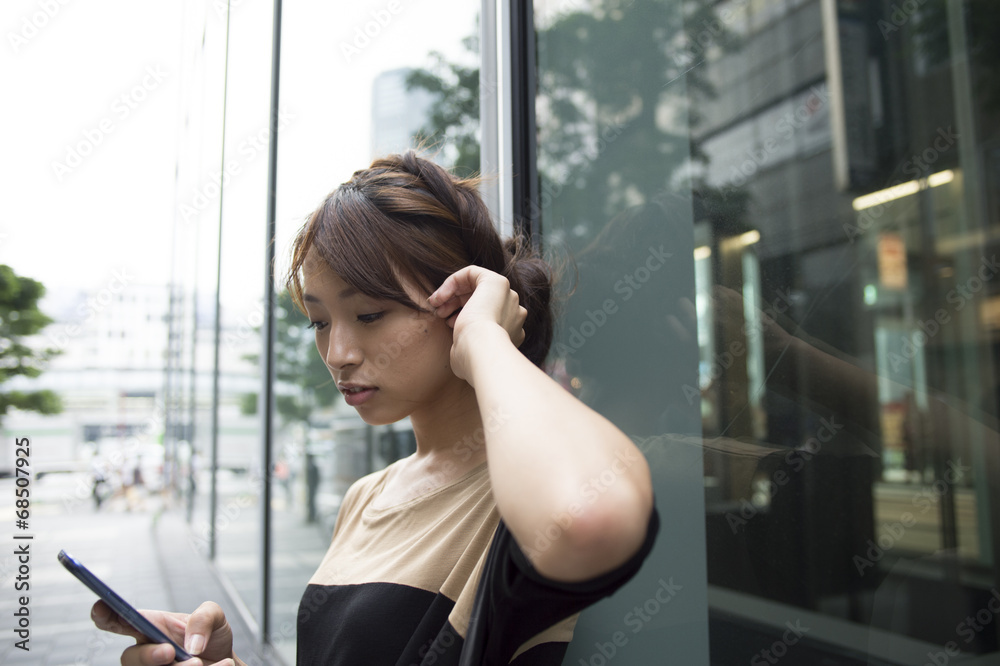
x=405, y=216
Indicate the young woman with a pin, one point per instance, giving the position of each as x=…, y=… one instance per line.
x=520, y=507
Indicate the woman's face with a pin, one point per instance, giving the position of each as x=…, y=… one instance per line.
x=388, y=360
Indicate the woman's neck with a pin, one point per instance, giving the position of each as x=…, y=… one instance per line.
x=452, y=429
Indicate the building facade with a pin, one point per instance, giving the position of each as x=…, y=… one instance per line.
x=781, y=218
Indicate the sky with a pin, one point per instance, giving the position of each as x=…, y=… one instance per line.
x=96, y=95
x=91, y=87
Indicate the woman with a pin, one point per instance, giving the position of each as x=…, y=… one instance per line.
x=520, y=507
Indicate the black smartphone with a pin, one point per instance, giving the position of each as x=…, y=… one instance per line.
x=123, y=608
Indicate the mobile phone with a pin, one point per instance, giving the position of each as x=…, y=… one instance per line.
x=123, y=608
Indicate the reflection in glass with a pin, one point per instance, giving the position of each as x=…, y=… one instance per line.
x=843, y=187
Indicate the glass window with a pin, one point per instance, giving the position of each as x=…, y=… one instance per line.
x=239, y=474
x=197, y=234
x=358, y=80
x=614, y=163
x=784, y=218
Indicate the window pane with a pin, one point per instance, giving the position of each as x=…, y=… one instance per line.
x=238, y=525
x=823, y=174
x=358, y=80
x=613, y=150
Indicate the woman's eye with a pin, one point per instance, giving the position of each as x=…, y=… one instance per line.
x=318, y=325
x=369, y=318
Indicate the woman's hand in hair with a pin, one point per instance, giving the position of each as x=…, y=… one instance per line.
x=478, y=304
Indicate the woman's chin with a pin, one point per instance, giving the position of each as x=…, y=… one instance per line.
x=374, y=418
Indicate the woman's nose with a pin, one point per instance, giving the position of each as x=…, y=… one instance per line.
x=342, y=350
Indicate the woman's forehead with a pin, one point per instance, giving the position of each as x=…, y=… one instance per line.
x=318, y=275
x=314, y=265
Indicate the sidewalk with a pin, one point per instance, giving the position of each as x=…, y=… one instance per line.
x=145, y=555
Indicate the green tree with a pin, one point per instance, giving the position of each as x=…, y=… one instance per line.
x=454, y=115
x=601, y=132
x=20, y=318
x=303, y=380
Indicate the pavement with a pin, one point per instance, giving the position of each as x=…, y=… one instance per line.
x=146, y=553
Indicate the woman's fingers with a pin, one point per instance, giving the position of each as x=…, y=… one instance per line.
x=159, y=655
x=480, y=294
x=151, y=654
x=204, y=633
x=462, y=281
x=202, y=623
x=108, y=620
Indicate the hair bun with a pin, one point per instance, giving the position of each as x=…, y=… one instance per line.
x=531, y=277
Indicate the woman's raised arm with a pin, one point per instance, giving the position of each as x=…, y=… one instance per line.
x=572, y=488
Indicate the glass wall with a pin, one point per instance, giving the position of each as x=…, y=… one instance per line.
x=240, y=468
x=358, y=81
x=778, y=221
x=615, y=204
x=821, y=177
x=214, y=380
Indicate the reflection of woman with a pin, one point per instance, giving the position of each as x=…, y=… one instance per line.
x=520, y=507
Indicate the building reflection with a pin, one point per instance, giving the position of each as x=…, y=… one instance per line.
x=843, y=306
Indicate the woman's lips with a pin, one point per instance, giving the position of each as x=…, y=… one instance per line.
x=358, y=395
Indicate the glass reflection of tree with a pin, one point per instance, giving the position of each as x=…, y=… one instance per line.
x=454, y=114
x=618, y=92
x=620, y=87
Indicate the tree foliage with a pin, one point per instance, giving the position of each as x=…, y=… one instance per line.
x=20, y=319
x=618, y=92
x=453, y=125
